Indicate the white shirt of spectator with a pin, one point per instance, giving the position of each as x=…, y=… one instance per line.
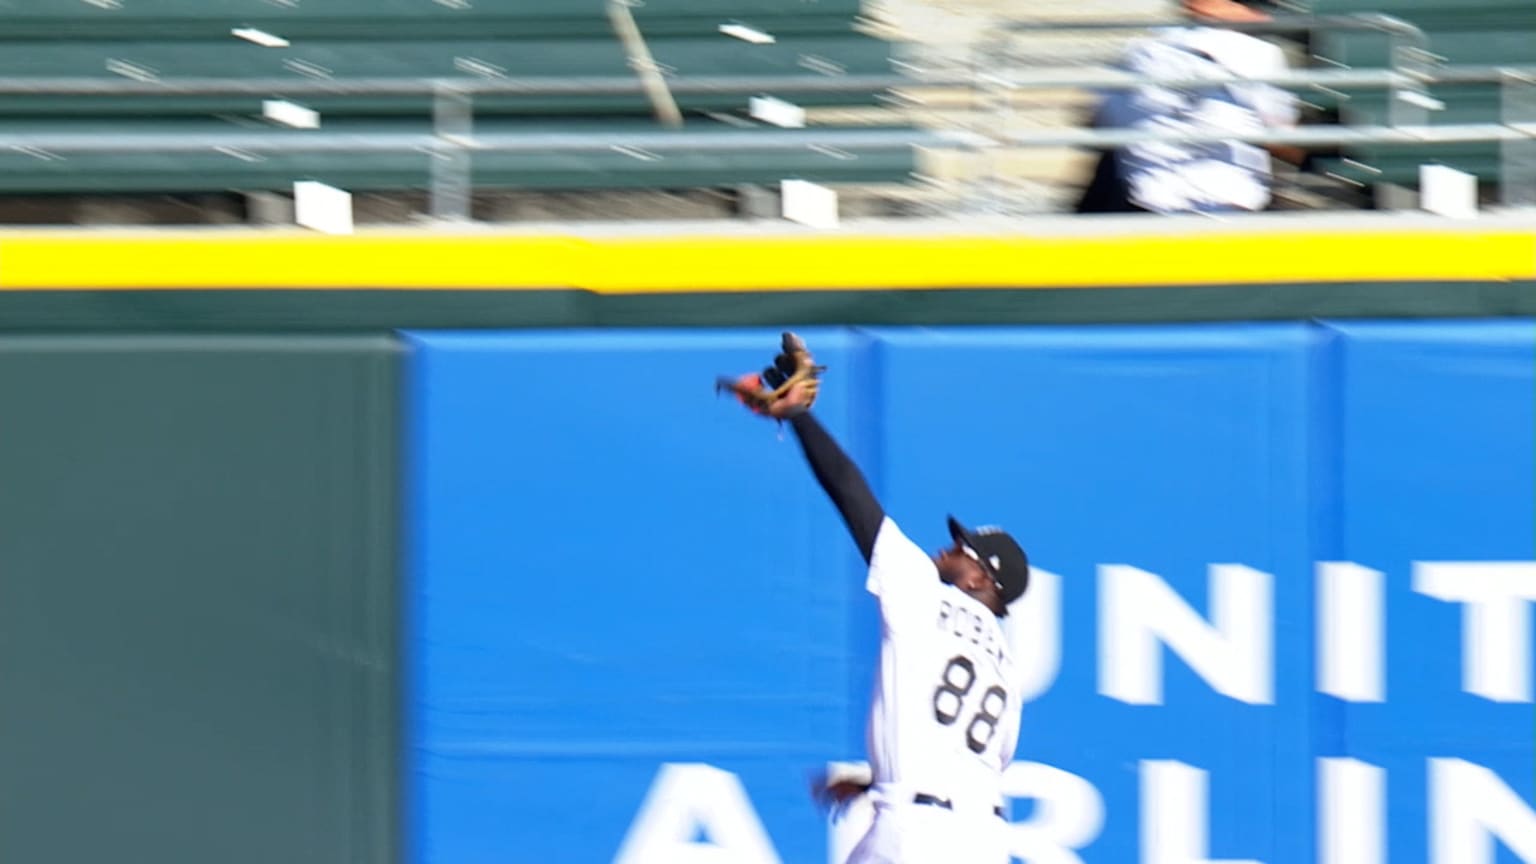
x=1176, y=177
x=1246, y=57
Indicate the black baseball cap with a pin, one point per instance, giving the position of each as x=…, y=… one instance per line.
x=999, y=554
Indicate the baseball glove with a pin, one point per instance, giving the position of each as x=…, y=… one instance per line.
x=768, y=393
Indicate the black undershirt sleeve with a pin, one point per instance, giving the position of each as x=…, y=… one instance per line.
x=843, y=481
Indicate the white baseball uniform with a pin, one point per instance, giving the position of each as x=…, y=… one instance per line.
x=944, y=721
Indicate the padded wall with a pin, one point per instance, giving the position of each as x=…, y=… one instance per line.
x=198, y=599
x=606, y=581
x=638, y=626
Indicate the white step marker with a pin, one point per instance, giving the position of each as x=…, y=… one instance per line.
x=260, y=37
x=747, y=34
x=322, y=208
x=289, y=114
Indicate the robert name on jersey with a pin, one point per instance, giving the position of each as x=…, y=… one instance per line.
x=972, y=626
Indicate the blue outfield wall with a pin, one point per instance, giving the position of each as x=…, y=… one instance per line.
x=1281, y=610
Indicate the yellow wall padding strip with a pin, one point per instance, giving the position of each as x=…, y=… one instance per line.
x=169, y=260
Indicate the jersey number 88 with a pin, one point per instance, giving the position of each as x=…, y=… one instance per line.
x=949, y=703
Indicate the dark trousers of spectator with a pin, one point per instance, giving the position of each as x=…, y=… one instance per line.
x=1106, y=192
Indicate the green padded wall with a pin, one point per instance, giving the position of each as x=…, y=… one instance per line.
x=198, y=599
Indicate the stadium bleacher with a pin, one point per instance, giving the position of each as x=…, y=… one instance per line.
x=438, y=40
x=534, y=41
x=1479, y=33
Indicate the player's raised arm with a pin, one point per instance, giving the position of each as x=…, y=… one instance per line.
x=785, y=391
x=843, y=481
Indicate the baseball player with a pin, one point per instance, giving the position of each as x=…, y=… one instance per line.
x=944, y=720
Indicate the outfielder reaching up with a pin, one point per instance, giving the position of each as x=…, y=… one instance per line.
x=944, y=719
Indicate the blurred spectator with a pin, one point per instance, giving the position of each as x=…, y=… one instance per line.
x=1195, y=177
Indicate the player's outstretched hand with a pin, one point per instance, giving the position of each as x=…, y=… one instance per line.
x=786, y=388
x=796, y=400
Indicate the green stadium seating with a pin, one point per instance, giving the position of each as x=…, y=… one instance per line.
x=426, y=40
x=1472, y=33
x=791, y=60
x=71, y=20
x=1439, y=16
x=549, y=169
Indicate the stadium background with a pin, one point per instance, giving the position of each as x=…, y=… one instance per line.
x=431, y=544
x=450, y=586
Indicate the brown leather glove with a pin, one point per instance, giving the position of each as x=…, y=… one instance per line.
x=786, y=388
